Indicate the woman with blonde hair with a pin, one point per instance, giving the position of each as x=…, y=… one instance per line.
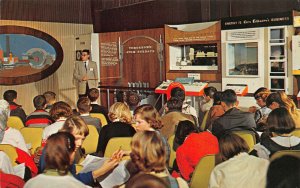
x=120, y=116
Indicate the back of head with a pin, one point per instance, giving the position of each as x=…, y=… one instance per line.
x=76, y=126
x=183, y=129
x=148, y=152
x=120, y=111
x=284, y=172
x=120, y=96
x=84, y=105
x=4, y=114
x=178, y=93
x=287, y=102
x=143, y=180
x=280, y=121
x=261, y=89
x=274, y=97
x=93, y=94
x=231, y=145
x=10, y=95
x=58, y=150
x=174, y=104
x=60, y=109
x=210, y=91
x=148, y=113
x=217, y=98
x=229, y=97
x=50, y=96
x=39, y=102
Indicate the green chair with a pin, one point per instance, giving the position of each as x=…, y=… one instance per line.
x=172, y=153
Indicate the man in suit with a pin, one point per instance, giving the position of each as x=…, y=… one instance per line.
x=86, y=74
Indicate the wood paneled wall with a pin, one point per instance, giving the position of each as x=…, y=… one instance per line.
x=61, y=82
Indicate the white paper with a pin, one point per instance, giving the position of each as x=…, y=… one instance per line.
x=19, y=170
x=92, y=163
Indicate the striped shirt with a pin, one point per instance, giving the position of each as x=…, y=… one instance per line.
x=38, y=118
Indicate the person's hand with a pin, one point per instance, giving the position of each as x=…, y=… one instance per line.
x=119, y=154
x=252, y=109
x=85, y=78
x=109, y=164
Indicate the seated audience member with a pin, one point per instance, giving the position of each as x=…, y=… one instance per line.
x=93, y=95
x=280, y=124
x=186, y=107
x=239, y=169
x=193, y=146
x=173, y=116
x=207, y=102
x=84, y=108
x=233, y=118
x=59, y=112
x=143, y=180
x=215, y=111
x=148, y=119
x=284, y=172
x=15, y=109
x=148, y=155
x=7, y=177
x=280, y=99
x=50, y=100
x=120, y=116
x=39, y=118
x=262, y=113
x=59, y=154
x=13, y=137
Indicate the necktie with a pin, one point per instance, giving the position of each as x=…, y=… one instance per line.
x=85, y=66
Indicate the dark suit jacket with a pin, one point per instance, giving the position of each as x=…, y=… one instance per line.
x=233, y=119
x=96, y=108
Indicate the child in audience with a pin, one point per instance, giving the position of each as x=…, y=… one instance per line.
x=15, y=109
x=207, y=102
x=93, y=95
x=215, y=111
x=50, y=100
x=39, y=118
x=239, y=169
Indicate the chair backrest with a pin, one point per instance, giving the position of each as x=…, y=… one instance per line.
x=116, y=143
x=278, y=154
x=172, y=153
x=10, y=152
x=91, y=141
x=203, y=124
x=296, y=132
x=15, y=122
x=248, y=136
x=33, y=136
x=101, y=117
x=201, y=174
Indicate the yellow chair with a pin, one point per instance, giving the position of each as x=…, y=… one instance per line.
x=78, y=168
x=203, y=124
x=15, y=122
x=116, y=143
x=248, y=136
x=278, y=154
x=172, y=153
x=201, y=174
x=91, y=141
x=33, y=136
x=10, y=151
x=101, y=117
x=296, y=132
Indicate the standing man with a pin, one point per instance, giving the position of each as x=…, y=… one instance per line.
x=86, y=73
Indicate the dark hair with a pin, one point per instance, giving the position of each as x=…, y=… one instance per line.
x=174, y=104
x=39, y=102
x=210, y=91
x=10, y=95
x=150, y=115
x=280, y=121
x=274, y=97
x=184, y=128
x=84, y=105
x=143, y=180
x=261, y=89
x=120, y=96
x=49, y=95
x=57, y=152
x=86, y=51
x=284, y=172
x=179, y=93
x=60, y=109
x=231, y=145
x=229, y=97
x=93, y=94
x=217, y=98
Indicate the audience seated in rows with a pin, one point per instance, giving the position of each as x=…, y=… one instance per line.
x=84, y=108
x=93, y=95
x=120, y=116
x=173, y=116
x=40, y=117
x=50, y=100
x=239, y=169
x=215, y=111
x=15, y=109
x=280, y=124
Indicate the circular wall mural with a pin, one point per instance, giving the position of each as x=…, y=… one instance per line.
x=27, y=55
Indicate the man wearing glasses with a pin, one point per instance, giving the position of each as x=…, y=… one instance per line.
x=86, y=74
